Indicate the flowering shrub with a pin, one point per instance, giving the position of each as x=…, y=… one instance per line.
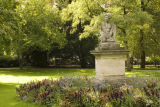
x=85, y=92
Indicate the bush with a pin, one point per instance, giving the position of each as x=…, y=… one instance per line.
x=8, y=61
x=35, y=57
x=84, y=92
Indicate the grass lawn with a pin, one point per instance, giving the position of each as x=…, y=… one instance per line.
x=10, y=79
x=148, y=67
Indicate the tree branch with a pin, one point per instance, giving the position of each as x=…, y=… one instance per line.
x=91, y=15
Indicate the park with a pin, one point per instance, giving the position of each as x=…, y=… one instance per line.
x=79, y=53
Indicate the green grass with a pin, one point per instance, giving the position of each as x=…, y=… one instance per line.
x=148, y=67
x=10, y=79
x=144, y=73
x=22, y=76
x=8, y=97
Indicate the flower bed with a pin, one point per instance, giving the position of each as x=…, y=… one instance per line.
x=84, y=92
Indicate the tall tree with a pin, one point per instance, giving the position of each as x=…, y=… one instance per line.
x=42, y=24
x=8, y=24
x=84, y=18
x=135, y=25
x=31, y=23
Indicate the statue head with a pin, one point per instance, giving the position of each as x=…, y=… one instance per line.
x=107, y=16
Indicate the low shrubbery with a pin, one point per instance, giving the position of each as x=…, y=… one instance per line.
x=85, y=92
x=8, y=61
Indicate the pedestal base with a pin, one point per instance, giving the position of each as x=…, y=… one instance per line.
x=110, y=63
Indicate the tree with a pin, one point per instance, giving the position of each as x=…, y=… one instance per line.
x=8, y=24
x=72, y=27
x=26, y=24
x=40, y=27
x=134, y=24
x=83, y=19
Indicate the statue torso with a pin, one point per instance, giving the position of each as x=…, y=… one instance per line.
x=106, y=28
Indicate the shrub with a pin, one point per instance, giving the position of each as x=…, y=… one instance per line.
x=8, y=61
x=85, y=92
x=35, y=57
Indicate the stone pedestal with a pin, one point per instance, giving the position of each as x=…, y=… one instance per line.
x=110, y=63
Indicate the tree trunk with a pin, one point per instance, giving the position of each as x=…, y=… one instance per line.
x=143, y=59
x=128, y=62
x=20, y=58
x=81, y=52
x=129, y=66
x=132, y=62
x=143, y=54
x=83, y=62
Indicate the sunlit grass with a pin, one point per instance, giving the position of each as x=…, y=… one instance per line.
x=144, y=73
x=23, y=76
x=8, y=97
x=20, y=79
x=148, y=67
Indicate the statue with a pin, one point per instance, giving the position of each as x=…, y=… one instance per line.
x=108, y=30
x=108, y=36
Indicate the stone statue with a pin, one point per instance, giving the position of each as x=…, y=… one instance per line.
x=108, y=30
x=108, y=36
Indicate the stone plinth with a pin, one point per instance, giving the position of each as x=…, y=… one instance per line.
x=110, y=46
x=110, y=63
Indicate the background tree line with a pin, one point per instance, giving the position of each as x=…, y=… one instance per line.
x=36, y=31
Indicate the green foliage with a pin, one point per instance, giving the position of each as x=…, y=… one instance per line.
x=85, y=12
x=8, y=61
x=36, y=57
x=82, y=25
x=8, y=24
x=131, y=20
x=72, y=27
x=41, y=25
x=154, y=60
x=32, y=23
x=94, y=28
x=136, y=22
